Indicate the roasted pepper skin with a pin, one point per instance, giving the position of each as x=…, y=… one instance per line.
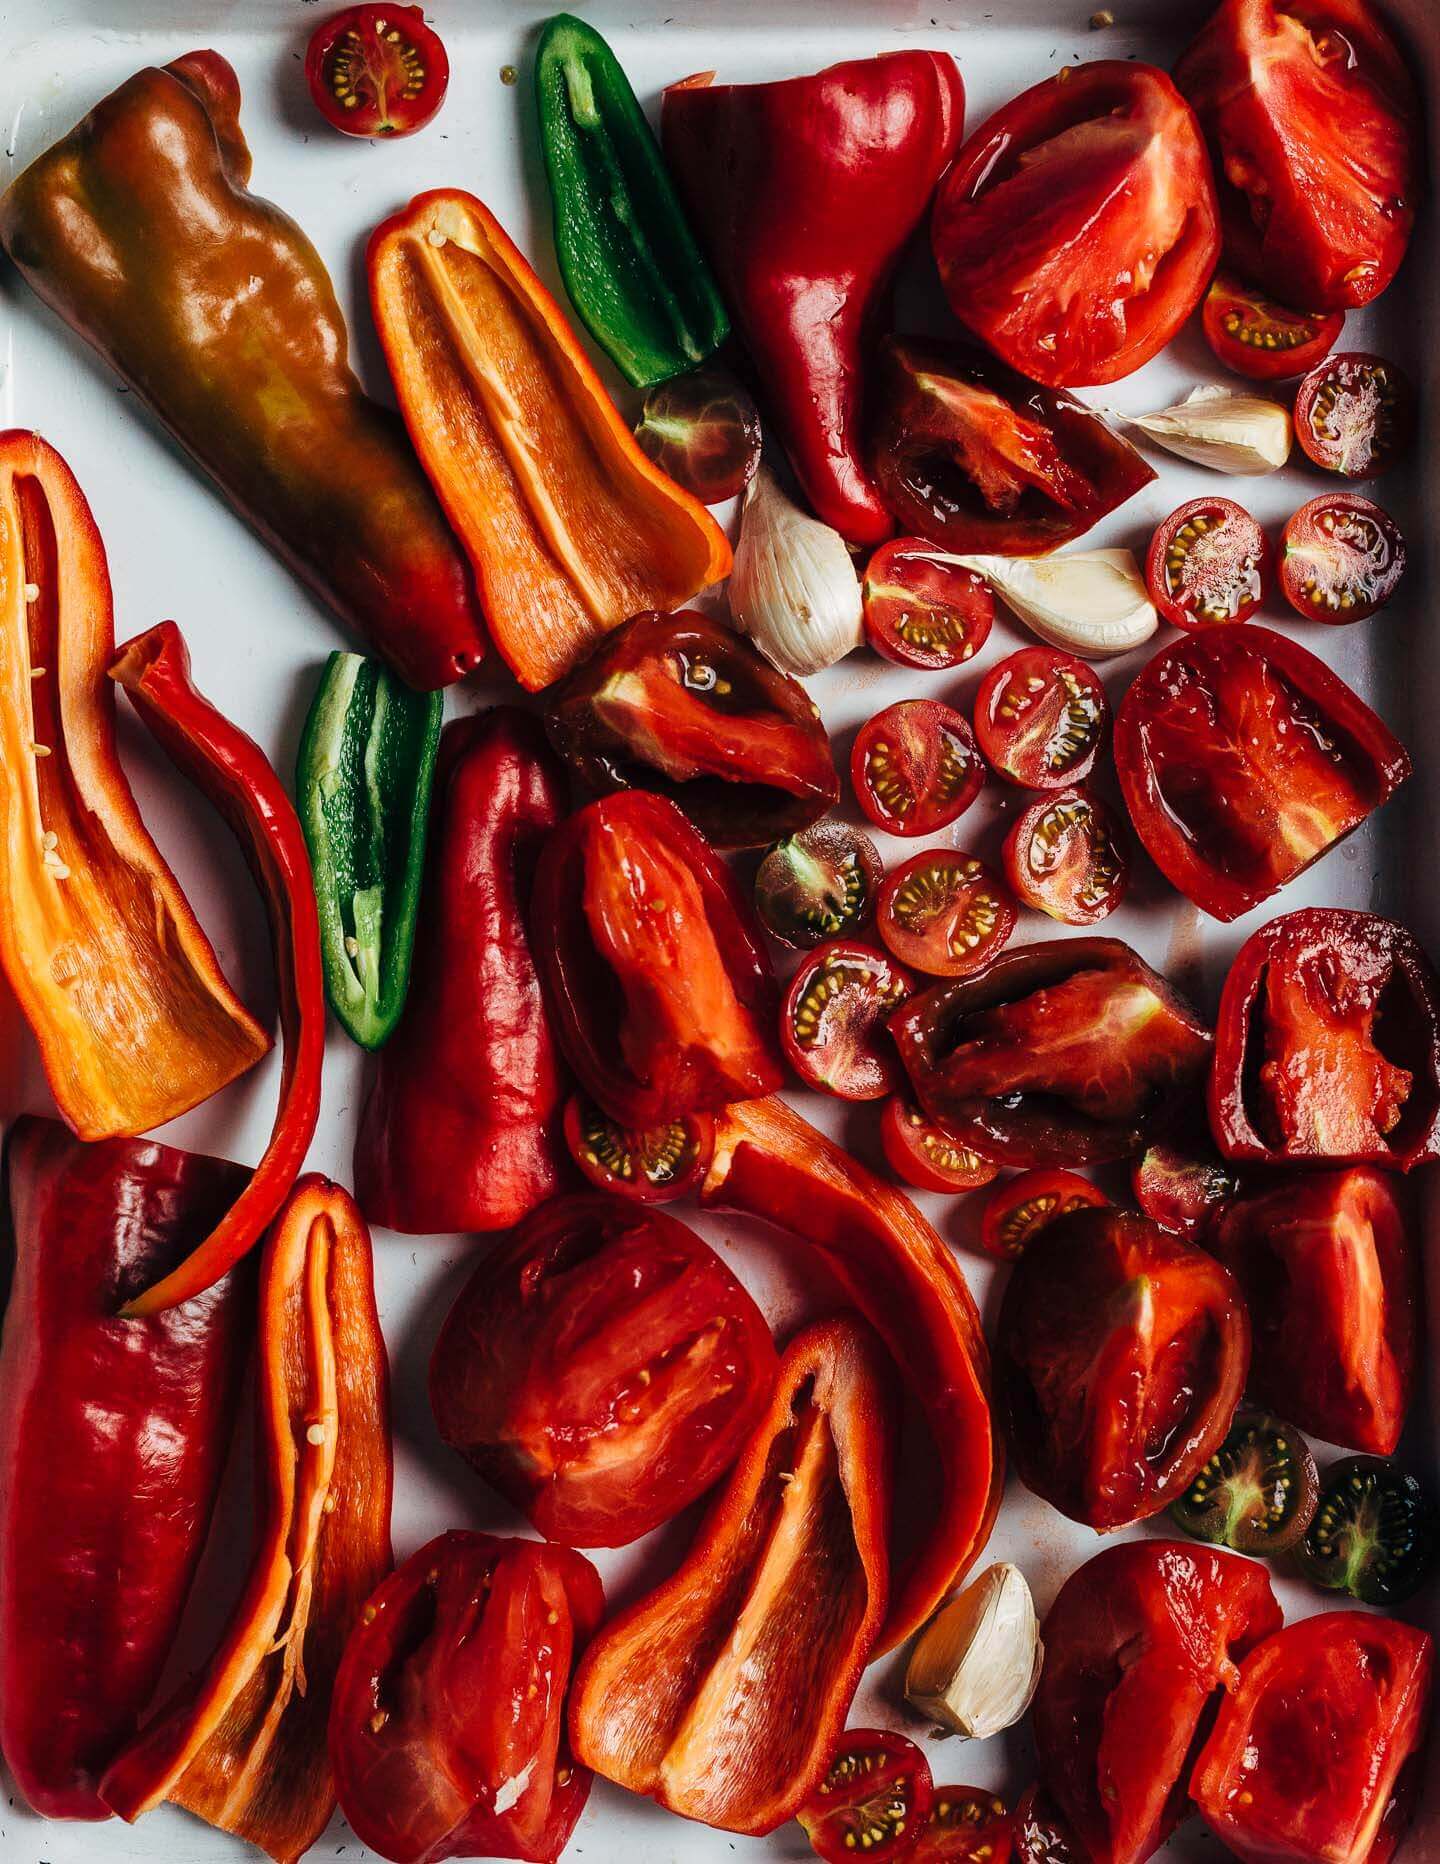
x=461, y=1129
x=113, y=1436
x=217, y=310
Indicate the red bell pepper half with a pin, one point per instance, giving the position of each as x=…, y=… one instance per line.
x=113, y=1436
x=461, y=1128
x=804, y=193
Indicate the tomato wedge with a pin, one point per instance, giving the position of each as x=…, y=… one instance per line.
x=872, y=1801
x=652, y=1164
x=924, y=1155
x=1255, y=336
x=1209, y=563
x=1067, y=855
x=944, y=912
x=967, y=1825
x=377, y=70
x=922, y=611
x=1341, y=558
x=832, y=1022
x=1355, y=414
x=1040, y=718
x=915, y=768
x=1019, y=1209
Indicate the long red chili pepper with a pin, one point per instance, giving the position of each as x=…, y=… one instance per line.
x=231, y=769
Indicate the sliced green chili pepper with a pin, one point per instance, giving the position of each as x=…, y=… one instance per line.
x=627, y=255
x=366, y=766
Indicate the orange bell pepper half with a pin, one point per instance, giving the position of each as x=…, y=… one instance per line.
x=246, y=1748
x=570, y=528
x=134, y=1019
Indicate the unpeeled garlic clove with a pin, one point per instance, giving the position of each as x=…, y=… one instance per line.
x=1090, y=602
x=975, y=1666
x=793, y=589
x=1214, y=426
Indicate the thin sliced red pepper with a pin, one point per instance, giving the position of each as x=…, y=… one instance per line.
x=231, y=769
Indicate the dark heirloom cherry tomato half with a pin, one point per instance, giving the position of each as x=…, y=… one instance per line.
x=1374, y=1534
x=1182, y=1183
x=944, y=912
x=1341, y=558
x=872, y=1801
x=1040, y=718
x=1257, y=1493
x=703, y=429
x=655, y=1165
x=967, y=1825
x=922, y=611
x=915, y=767
x=1255, y=336
x=1209, y=563
x=1242, y=758
x=924, y=1156
x=1039, y=1834
x=377, y=70
x=1355, y=413
x=1020, y=1208
x=832, y=1022
x=1067, y=854
x=1139, y=1644
x=1121, y=1355
x=818, y=884
x=601, y=1369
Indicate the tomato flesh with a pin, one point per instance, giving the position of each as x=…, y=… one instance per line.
x=921, y=611
x=1066, y=855
x=1017, y=1211
x=817, y=885
x=1209, y=563
x=832, y=1022
x=1355, y=414
x=944, y=912
x=1182, y=1184
x=1256, y=337
x=1342, y=557
x=377, y=70
x=967, y=1825
x=924, y=1155
x=654, y=1165
x=915, y=768
x=703, y=429
x=1038, y=1833
x=1041, y=718
x=873, y=1800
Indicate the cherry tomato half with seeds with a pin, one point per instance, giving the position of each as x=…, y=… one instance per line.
x=654, y=1166
x=873, y=1800
x=377, y=70
x=1069, y=856
x=1020, y=1208
x=1375, y=1532
x=915, y=767
x=1257, y=1493
x=1041, y=718
x=1209, y=564
x=944, y=912
x=1255, y=336
x=925, y=1156
x=922, y=611
x=703, y=429
x=1341, y=558
x=832, y=1022
x=967, y=1825
x=1039, y=1834
x=820, y=883
x=1355, y=413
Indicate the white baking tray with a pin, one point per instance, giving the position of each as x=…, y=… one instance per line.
x=258, y=640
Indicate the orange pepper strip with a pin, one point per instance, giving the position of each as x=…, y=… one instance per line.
x=570, y=528
x=134, y=1019
x=247, y=1748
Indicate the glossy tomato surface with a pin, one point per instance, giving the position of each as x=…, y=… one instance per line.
x=1355, y=414
x=1181, y=1182
x=873, y=1799
x=1041, y=718
x=922, y=611
x=1209, y=563
x=1039, y=1833
x=833, y=1020
x=1341, y=558
x=967, y=1825
x=377, y=70
x=915, y=768
x=1258, y=337
x=1019, y=1209
x=818, y=885
x=944, y=912
x=1140, y=1644
x=654, y=1165
x=1068, y=854
x=924, y=1155
x=1242, y=758
x=703, y=429
x=601, y=1369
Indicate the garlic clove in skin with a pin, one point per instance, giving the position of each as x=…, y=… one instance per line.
x=793, y=589
x=1090, y=602
x=1213, y=426
x=976, y=1665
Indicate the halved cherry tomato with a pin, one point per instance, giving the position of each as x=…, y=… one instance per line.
x=924, y=1155
x=1181, y=1182
x=820, y=883
x=703, y=429
x=1341, y=558
x=1041, y=718
x=1067, y=855
x=1020, y=1208
x=832, y=1022
x=1255, y=336
x=915, y=767
x=1038, y=1833
x=873, y=1800
x=967, y=1825
x=944, y=912
x=1355, y=413
x=654, y=1165
x=377, y=70
x=922, y=611
x=1209, y=563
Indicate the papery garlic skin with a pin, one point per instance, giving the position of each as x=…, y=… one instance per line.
x=793, y=589
x=1093, y=603
x=976, y=1665
x=1234, y=433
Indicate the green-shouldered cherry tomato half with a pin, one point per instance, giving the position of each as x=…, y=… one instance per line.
x=1375, y=1532
x=832, y=1022
x=915, y=767
x=1255, y=336
x=924, y=1155
x=922, y=608
x=1068, y=855
x=1017, y=1210
x=944, y=912
x=967, y=1825
x=818, y=883
x=1341, y=558
x=872, y=1800
x=703, y=429
x=653, y=1166
x=1209, y=564
x=1257, y=1493
x=377, y=70
x=1040, y=718
x=1355, y=413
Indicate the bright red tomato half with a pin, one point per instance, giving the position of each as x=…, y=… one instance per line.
x=944, y=912
x=1255, y=336
x=1209, y=563
x=915, y=768
x=872, y=1801
x=1020, y=1208
x=832, y=1022
x=1342, y=557
x=924, y=1155
x=1068, y=855
x=377, y=70
x=921, y=611
x=654, y=1165
x=967, y=1825
x=1040, y=718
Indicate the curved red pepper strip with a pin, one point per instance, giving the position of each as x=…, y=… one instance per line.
x=231, y=769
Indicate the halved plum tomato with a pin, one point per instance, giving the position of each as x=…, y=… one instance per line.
x=703, y=429
x=1257, y=1493
x=915, y=768
x=1039, y=1834
x=685, y=707
x=1257, y=337
x=944, y=912
x=1209, y=564
x=1040, y=718
x=1375, y=1533
x=1317, y=1751
x=979, y=458
x=1242, y=758
x=1068, y=855
x=1329, y=1271
x=1181, y=1182
x=1314, y=127
x=377, y=70
x=832, y=1022
x=1341, y=558
x=1078, y=227
x=601, y=1369
x=1328, y=1044
x=1069, y=1052
x=1139, y=1645
x=447, y=1724
x=654, y=1165
x=872, y=1800
x=922, y=609
x=1020, y=1208
x=1121, y=1355
x=967, y=1825
x=820, y=883
x=924, y=1156
x=1355, y=413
